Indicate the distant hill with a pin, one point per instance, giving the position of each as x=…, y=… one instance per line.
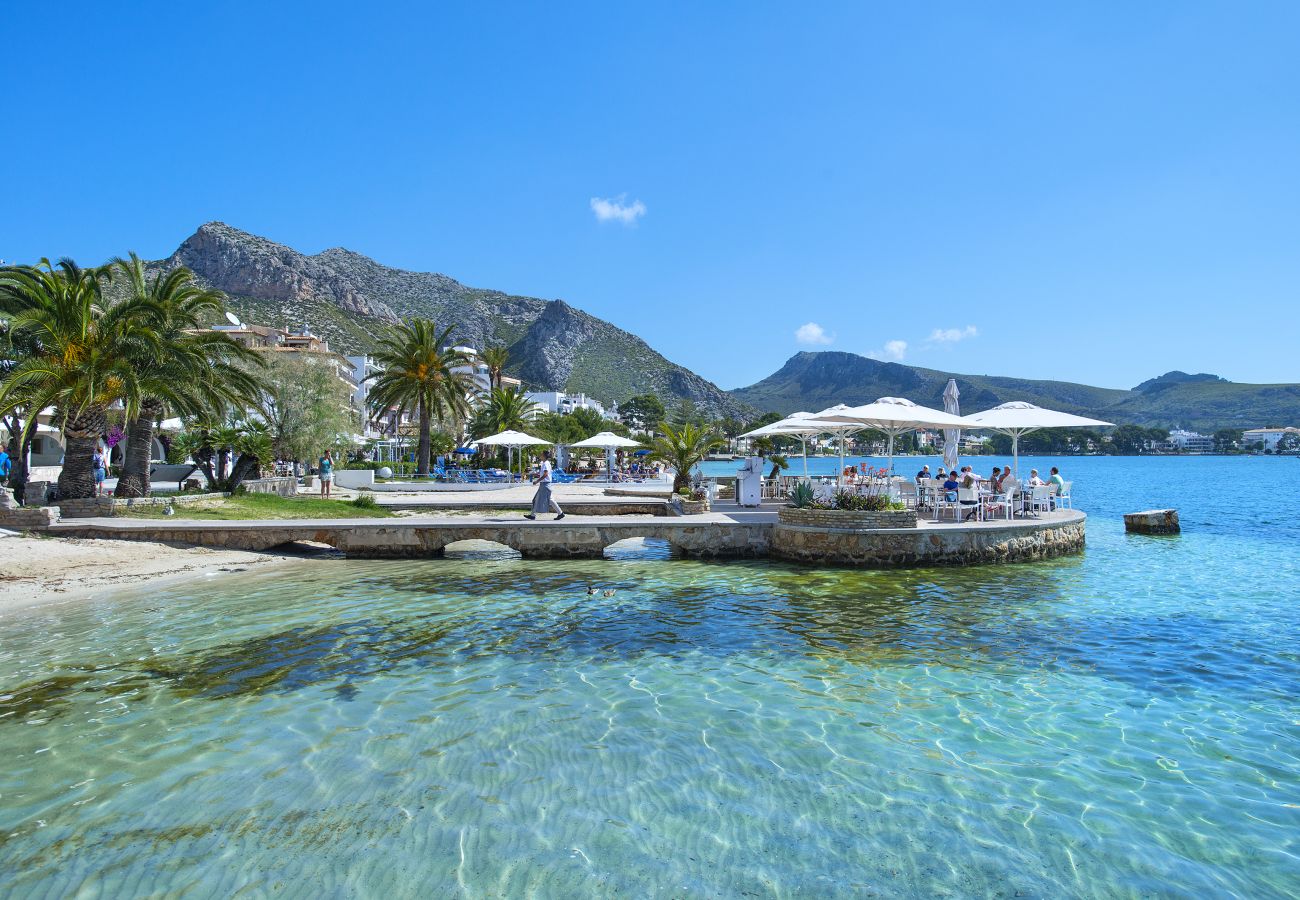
x=813, y=381
x=1161, y=382
x=350, y=300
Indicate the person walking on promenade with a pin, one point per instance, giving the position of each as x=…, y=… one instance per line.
x=326, y=474
x=542, y=500
x=99, y=464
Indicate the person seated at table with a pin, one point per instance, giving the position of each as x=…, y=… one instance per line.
x=1056, y=481
x=1004, y=494
x=950, y=487
x=1056, y=484
x=995, y=480
x=1034, y=480
x=850, y=473
x=924, y=474
x=971, y=482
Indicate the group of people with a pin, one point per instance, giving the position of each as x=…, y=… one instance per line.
x=1000, y=482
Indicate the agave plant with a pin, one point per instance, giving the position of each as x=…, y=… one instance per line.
x=802, y=496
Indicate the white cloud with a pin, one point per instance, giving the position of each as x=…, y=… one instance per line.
x=893, y=351
x=617, y=209
x=952, y=335
x=812, y=333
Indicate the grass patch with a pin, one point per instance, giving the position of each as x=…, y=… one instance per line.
x=268, y=506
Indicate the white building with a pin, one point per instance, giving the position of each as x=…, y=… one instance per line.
x=1190, y=442
x=561, y=402
x=1266, y=438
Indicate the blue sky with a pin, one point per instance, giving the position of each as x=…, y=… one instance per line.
x=1095, y=194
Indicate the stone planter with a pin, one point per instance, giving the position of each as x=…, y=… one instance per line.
x=690, y=507
x=842, y=518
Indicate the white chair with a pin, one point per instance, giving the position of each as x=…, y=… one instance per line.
x=1064, y=499
x=907, y=493
x=968, y=501
x=1006, y=501
x=1040, y=499
x=943, y=501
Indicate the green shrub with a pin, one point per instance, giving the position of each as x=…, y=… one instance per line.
x=802, y=496
x=364, y=501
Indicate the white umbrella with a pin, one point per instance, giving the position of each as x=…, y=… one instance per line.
x=609, y=441
x=802, y=425
x=836, y=424
x=893, y=416
x=606, y=440
x=513, y=439
x=1017, y=418
x=951, y=436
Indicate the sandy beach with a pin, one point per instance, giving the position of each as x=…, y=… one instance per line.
x=38, y=569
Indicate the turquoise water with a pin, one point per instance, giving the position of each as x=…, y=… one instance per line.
x=1120, y=723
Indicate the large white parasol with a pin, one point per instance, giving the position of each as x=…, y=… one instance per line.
x=1017, y=418
x=893, y=416
x=802, y=425
x=609, y=442
x=513, y=440
x=951, y=436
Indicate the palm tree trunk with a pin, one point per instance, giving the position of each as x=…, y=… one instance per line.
x=426, y=439
x=133, y=481
x=18, y=471
x=247, y=466
x=18, y=451
x=82, y=431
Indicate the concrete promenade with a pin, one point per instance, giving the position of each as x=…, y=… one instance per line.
x=728, y=532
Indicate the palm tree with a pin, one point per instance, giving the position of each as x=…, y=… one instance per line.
x=419, y=376
x=504, y=411
x=495, y=358
x=83, y=365
x=188, y=372
x=682, y=447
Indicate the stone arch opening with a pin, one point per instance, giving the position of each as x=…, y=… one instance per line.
x=479, y=549
x=639, y=548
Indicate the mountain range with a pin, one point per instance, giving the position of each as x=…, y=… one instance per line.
x=1203, y=402
x=351, y=300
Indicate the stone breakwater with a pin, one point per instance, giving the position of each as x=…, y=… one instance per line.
x=713, y=536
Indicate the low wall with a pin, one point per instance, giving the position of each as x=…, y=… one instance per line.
x=285, y=487
x=933, y=546
x=397, y=539
x=354, y=478
x=629, y=492
x=28, y=517
x=844, y=518
x=93, y=507
x=406, y=487
x=572, y=507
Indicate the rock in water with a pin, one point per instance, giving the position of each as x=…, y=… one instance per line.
x=1152, y=521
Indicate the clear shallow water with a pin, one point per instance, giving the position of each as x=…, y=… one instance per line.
x=1121, y=723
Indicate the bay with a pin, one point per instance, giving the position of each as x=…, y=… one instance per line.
x=1119, y=723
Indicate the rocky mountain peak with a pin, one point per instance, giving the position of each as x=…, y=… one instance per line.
x=351, y=300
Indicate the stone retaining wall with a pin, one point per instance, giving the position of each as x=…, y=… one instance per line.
x=896, y=548
x=628, y=492
x=28, y=517
x=285, y=487
x=92, y=507
x=845, y=518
